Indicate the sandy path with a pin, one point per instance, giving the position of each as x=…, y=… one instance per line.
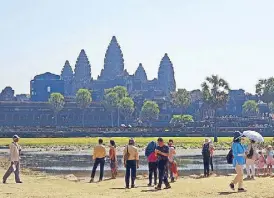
x=43, y=186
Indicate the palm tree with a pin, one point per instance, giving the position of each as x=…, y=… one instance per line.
x=215, y=95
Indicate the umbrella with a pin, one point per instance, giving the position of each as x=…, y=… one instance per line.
x=253, y=135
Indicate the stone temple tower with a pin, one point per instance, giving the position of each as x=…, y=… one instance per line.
x=67, y=76
x=82, y=73
x=140, y=73
x=113, y=62
x=166, y=79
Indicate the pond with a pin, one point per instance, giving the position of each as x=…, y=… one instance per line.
x=80, y=164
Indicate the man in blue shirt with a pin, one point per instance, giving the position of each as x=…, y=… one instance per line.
x=162, y=152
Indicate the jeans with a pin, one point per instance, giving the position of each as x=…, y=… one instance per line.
x=170, y=172
x=152, y=168
x=250, y=167
x=98, y=161
x=239, y=177
x=130, y=172
x=163, y=172
x=211, y=163
x=206, y=166
x=16, y=172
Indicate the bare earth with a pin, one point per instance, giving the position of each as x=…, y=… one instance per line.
x=45, y=186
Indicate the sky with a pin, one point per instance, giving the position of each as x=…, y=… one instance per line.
x=231, y=38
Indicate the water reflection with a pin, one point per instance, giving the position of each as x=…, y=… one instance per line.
x=81, y=165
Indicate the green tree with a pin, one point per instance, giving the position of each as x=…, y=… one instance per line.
x=180, y=120
x=181, y=98
x=215, y=95
x=111, y=102
x=265, y=90
x=150, y=111
x=57, y=103
x=119, y=90
x=250, y=108
x=83, y=100
x=126, y=106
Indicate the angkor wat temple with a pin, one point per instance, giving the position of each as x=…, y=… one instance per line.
x=114, y=73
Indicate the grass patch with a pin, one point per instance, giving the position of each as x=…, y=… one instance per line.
x=184, y=142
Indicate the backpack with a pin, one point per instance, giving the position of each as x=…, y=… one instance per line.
x=250, y=154
x=150, y=148
x=229, y=157
x=205, y=151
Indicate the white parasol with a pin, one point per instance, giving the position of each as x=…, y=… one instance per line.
x=253, y=135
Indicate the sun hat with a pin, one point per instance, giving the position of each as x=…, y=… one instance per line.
x=237, y=135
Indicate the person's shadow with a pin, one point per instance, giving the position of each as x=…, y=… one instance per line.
x=228, y=193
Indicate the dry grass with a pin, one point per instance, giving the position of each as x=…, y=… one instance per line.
x=43, y=186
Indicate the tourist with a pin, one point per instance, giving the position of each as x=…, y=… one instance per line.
x=206, y=157
x=152, y=162
x=260, y=163
x=162, y=152
x=131, y=162
x=113, y=159
x=251, y=156
x=15, y=151
x=171, y=162
x=269, y=159
x=99, y=155
x=238, y=151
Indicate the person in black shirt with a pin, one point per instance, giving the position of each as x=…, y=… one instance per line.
x=162, y=152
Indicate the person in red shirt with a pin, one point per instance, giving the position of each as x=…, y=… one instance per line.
x=152, y=162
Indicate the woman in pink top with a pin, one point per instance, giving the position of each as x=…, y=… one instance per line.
x=260, y=162
x=152, y=162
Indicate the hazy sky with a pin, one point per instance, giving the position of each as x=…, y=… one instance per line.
x=231, y=38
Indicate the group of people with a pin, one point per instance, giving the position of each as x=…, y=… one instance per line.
x=249, y=157
x=161, y=163
x=160, y=159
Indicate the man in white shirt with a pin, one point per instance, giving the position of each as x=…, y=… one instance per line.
x=15, y=150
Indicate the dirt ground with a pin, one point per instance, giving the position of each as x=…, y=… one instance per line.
x=46, y=186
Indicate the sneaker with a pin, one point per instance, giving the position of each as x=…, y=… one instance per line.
x=232, y=186
x=127, y=187
x=149, y=185
x=91, y=180
x=133, y=186
x=241, y=190
x=4, y=181
x=167, y=187
x=158, y=188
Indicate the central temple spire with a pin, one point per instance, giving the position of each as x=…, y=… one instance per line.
x=113, y=62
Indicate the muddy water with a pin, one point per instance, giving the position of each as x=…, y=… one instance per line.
x=81, y=164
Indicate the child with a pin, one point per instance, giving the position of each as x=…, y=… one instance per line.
x=260, y=163
x=269, y=159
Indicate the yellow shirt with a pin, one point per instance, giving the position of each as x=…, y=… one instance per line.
x=99, y=151
x=133, y=152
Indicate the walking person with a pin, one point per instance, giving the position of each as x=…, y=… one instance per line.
x=99, y=155
x=238, y=151
x=131, y=163
x=251, y=157
x=113, y=159
x=162, y=152
x=15, y=151
x=152, y=162
x=206, y=157
x=172, y=153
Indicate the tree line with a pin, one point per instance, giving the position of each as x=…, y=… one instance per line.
x=215, y=95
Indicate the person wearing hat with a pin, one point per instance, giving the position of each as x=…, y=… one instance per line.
x=15, y=151
x=238, y=151
x=131, y=162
